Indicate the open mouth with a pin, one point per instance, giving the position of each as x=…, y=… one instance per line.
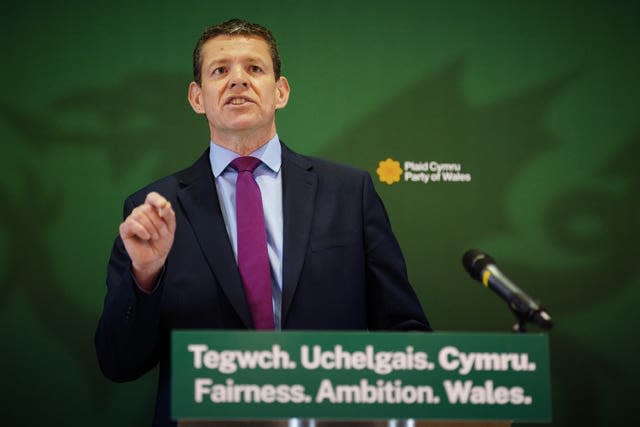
x=238, y=100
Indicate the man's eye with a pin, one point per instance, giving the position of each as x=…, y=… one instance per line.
x=218, y=71
x=256, y=69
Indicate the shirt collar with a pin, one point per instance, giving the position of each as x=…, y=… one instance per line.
x=269, y=154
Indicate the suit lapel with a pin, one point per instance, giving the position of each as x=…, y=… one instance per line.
x=298, y=200
x=199, y=199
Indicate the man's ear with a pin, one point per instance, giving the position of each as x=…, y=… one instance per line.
x=194, y=96
x=282, y=92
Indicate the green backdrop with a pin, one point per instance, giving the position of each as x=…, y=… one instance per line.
x=538, y=101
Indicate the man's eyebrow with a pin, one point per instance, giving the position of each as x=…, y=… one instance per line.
x=227, y=59
x=217, y=61
x=255, y=59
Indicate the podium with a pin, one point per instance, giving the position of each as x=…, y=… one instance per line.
x=329, y=423
x=358, y=379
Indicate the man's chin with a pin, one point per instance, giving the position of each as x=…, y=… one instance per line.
x=245, y=126
x=243, y=122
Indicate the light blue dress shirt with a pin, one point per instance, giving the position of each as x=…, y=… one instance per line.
x=268, y=175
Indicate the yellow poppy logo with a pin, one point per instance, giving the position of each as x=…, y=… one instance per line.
x=389, y=171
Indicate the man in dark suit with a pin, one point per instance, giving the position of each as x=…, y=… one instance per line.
x=331, y=257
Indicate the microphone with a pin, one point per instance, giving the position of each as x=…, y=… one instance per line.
x=483, y=268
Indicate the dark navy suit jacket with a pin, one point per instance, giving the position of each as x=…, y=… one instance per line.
x=342, y=269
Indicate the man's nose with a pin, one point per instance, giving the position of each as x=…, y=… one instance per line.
x=238, y=78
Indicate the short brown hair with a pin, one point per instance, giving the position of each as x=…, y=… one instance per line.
x=235, y=27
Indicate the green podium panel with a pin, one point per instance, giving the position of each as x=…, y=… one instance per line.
x=242, y=375
x=349, y=423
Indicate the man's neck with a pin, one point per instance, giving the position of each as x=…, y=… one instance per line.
x=243, y=143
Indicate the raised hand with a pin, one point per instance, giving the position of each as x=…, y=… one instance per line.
x=147, y=234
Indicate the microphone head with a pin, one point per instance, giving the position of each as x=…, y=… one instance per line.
x=475, y=261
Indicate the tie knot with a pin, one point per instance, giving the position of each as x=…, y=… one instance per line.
x=246, y=163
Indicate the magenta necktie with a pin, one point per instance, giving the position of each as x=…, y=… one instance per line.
x=253, y=259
